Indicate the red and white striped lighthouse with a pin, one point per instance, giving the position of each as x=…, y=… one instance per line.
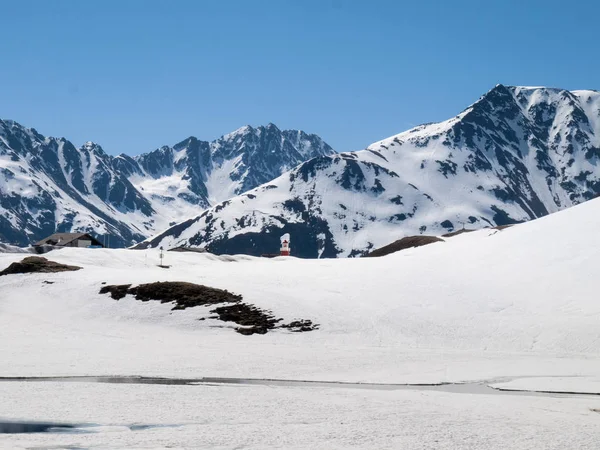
x=285, y=245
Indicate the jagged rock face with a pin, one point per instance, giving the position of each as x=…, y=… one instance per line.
x=264, y=154
x=49, y=185
x=514, y=155
x=206, y=173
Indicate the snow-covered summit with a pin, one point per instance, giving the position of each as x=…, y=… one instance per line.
x=48, y=185
x=514, y=155
x=204, y=173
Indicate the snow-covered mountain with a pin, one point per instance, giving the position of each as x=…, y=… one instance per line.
x=516, y=154
x=48, y=185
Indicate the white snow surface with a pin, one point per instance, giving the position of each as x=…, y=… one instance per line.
x=521, y=302
x=487, y=304
x=259, y=417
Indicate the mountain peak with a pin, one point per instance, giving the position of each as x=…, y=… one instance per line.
x=272, y=127
x=499, y=92
x=91, y=146
x=188, y=142
x=507, y=158
x=503, y=92
x=242, y=131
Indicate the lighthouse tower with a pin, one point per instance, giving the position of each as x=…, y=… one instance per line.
x=285, y=245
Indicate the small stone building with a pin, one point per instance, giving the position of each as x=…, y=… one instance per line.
x=70, y=240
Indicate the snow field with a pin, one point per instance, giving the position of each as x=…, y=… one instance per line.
x=257, y=417
x=485, y=305
x=482, y=305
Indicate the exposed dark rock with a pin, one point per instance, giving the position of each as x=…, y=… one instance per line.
x=448, y=225
x=37, y=264
x=397, y=200
x=404, y=243
x=183, y=294
x=501, y=217
x=300, y=325
x=251, y=319
x=254, y=320
x=447, y=167
x=117, y=292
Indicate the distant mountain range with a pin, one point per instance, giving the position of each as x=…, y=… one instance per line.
x=516, y=154
x=49, y=185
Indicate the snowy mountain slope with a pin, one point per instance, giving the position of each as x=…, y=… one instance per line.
x=516, y=154
x=196, y=173
x=517, y=306
x=46, y=184
x=481, y=305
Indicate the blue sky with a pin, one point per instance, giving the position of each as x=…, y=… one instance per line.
x=135, y=75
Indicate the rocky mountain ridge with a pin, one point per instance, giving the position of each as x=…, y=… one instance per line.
x=49, y=185
x=516, y=154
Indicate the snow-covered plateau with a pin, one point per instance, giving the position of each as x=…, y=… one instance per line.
x=515, y=307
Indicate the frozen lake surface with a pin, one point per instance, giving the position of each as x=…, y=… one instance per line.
x=132, y=415
x=508, y=386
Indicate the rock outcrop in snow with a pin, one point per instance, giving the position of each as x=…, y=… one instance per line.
x=49, y=185
x=516, y=154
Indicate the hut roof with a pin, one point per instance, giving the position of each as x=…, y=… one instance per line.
x=62, y=238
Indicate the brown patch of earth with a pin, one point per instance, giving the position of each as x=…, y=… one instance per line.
x=251, y=319
x=117, y=291
x=456, y=233
x=184, y=295
x=254, y=319
x=37, y=264
x=298, y=326
x=404, y=243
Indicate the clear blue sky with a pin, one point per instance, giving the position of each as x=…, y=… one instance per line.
x=135, y=75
